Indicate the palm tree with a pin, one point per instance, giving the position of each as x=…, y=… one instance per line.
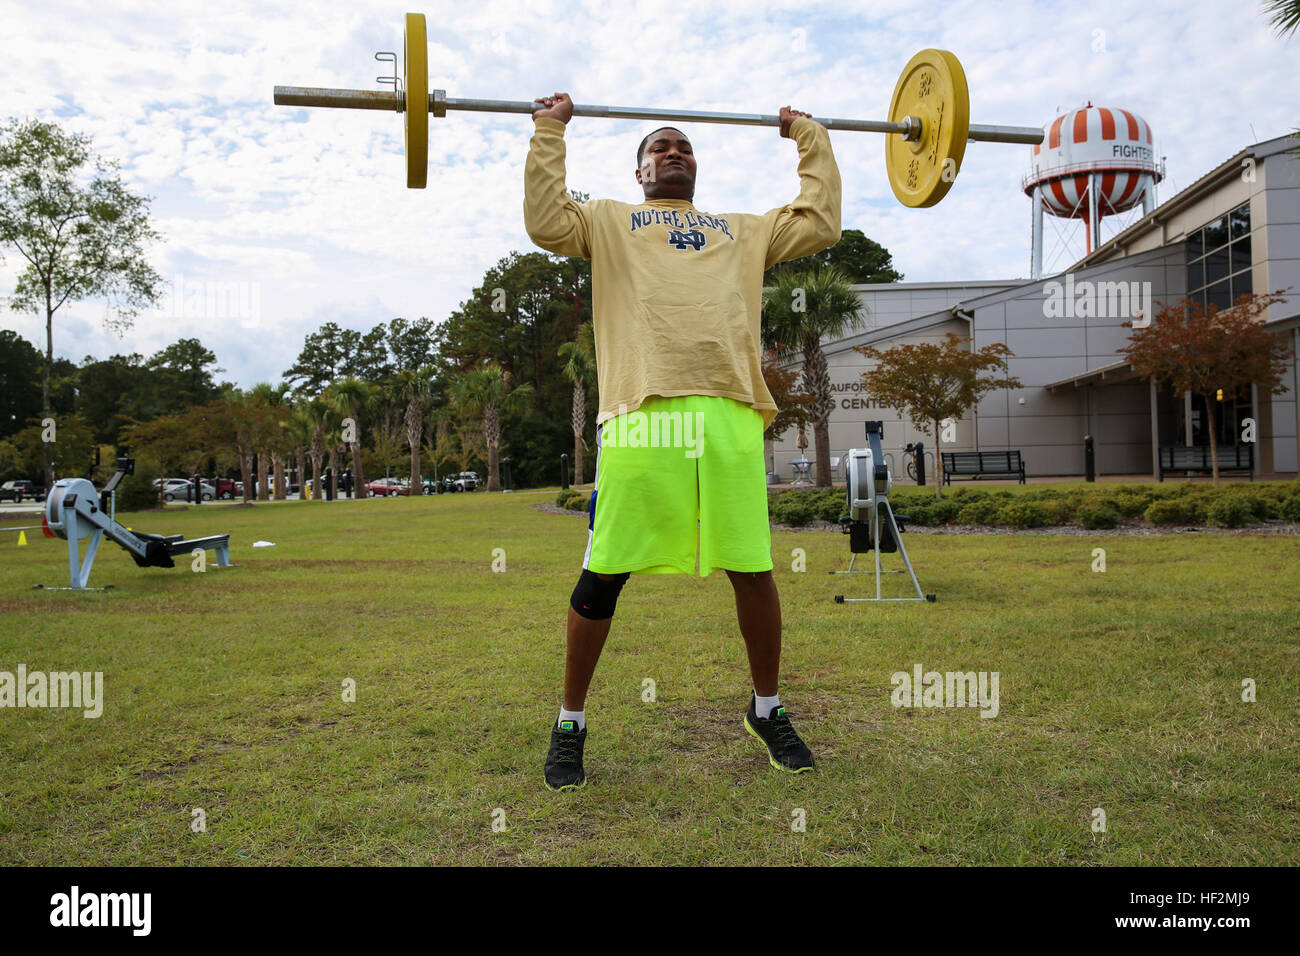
x=267, y=400
x=416, y=387
x=486, y=391
x=351, y=396
x=1284, y=16
x=580, y=369
x=314, y=417
x=800, y=310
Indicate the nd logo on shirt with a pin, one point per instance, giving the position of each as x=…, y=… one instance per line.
x=684, y=227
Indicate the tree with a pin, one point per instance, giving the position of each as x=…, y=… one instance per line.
x=350, y=397
x=82, y=237
x=932, y=382
x=800, y=310
x=1284, y=16
x=794, y=407
x=580, y=369
x=20, y=371
x=415, y=387
x=859, y=258
x=1202, y=349
x=486, y=391
x=334, y=352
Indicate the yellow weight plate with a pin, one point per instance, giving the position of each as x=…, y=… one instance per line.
x=416, y=83
x=933, y=89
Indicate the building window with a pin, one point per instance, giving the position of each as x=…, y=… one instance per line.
x=1218, y=259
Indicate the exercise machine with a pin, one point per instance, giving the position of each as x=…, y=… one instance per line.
x=74, y=511
x=871, y=523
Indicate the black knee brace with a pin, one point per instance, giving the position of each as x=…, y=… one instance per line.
x=594, y=598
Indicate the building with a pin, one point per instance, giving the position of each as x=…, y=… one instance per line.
x=1234, y=230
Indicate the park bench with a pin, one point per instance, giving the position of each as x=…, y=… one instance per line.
x=1197, y=458
x=977, y=464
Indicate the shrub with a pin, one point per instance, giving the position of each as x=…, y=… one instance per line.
x=1170, y=511
x=944, y=512
x=830, y=505
x=1291, y=507
x=980, y=511
x=137, y=491
x=792, y=508
x=573, y=500
x=1023, y=514
x=1059, y=512
x=1096, y=515
x=916, y=513
x=1132, y=504
x=1231, y=511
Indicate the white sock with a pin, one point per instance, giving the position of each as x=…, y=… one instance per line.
x=578, y=716
x=763, y=706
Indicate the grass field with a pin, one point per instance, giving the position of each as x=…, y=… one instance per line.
x=1119, y=690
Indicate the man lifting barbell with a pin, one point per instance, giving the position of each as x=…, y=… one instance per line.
x=683, y=404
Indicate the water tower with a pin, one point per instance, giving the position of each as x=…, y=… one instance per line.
x=1094, y=162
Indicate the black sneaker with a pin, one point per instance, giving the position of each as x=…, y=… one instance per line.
x=564, y=760
x=785, y=751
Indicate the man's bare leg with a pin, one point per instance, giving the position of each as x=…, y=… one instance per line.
x=586, y=639
x=758, y=609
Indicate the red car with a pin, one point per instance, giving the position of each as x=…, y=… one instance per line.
x=385, y=487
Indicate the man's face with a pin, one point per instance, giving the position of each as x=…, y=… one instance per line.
x=667, y=168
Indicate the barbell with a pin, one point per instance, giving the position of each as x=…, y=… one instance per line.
x=927, y=130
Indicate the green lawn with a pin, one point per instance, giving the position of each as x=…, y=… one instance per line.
x=1118, y=690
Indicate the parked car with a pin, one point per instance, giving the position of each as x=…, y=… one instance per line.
x=226, y=487
x=465, y=481
x=383, y=487
x=16, y=491
x=173, y=491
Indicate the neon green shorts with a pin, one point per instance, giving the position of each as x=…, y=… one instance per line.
x=673, y=472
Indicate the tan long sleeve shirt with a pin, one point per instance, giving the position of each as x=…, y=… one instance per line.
x=677, y=292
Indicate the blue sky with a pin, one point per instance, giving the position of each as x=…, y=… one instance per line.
x=308, y=208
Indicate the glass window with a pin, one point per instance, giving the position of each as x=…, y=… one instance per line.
x=1240, y=254
x=1219, y=294
x=1195, y=275
x=1195, y=246
x=1239, y=221
x=1216, y=266
x=1216, y=233
x=1242, y=284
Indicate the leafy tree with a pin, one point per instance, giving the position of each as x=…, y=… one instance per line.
x=334, y=352
x=932, y=382
x=487, y=392
x=69, y=454
x=800, y=310
x=81, y=232
x=859, y=258
x=412, y=345
x=1202, y=349
x=20, y=371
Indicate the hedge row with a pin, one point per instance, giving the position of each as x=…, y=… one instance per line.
x=1233, y=505
x=1099, y=507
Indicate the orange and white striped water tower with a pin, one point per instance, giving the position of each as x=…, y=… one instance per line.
x=1095, y=161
